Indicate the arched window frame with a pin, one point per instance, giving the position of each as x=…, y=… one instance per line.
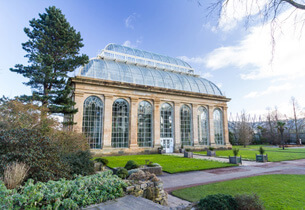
x=218, y=126
x=93, y=121
x=203, y=126
x=186, y=125
x=145, y=124
x=120, y=123
x=166, y=128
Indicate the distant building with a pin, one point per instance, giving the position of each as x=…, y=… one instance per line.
x=133, y=101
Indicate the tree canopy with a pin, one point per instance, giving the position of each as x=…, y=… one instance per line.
x=52, y=51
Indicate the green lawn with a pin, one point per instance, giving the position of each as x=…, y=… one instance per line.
x=274, y=154
x=170, y=164
x=276, y=191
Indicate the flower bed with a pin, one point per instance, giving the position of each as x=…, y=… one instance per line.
x=63, y=194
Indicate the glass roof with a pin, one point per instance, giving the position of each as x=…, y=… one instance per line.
x=130, y=73
x=148, y=59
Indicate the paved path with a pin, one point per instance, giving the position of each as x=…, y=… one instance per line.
x=249, y=168
x=128, y=202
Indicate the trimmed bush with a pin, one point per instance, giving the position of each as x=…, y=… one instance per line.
x=63, y=194
x=122, y=173
x=217, y=201
x=131, y=165
x=249, y=202
x=36, y=151
x=80, y=163
x=102, y=160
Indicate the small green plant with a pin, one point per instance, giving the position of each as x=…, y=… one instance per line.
x=261, y=150
x=131, y=165
x=235, y=151
x=102, y=160
x=182, y=146
x=249, y=202
x=217, y=201
x=188, y=150
x=122, y=173
x=211, y=148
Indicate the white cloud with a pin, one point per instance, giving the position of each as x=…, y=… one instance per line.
x=270, y=90
x=206, y=75
x=254, y=52
x=129, y=21
x=128, y=43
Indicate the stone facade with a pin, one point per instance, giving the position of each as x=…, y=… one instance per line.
x=109, y=91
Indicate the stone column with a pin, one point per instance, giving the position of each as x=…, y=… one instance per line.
x=177, y=137
x=78, y=116
x=156, y=125
x=107, y=121
x=133, y=128
x=195, y=124
x=226, y=126
x=211, y=126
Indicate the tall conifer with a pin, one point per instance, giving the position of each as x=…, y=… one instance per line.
x=52, y=52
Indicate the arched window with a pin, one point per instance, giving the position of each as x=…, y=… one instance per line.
x=120, y=123
x=145, y=120
x=186, y=125
x=93, y=121
x=203, y=126
x=218, y=126
x=166, y=121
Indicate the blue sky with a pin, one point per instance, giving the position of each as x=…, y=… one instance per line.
x=223, y=51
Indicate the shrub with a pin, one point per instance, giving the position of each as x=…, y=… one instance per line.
x=249, y=202
x=211, y=148
x=14, y=174
x=217, y=201
x=36, y=151
x=235, y=151
x=68, y=141
x=80, y=163
x=131, y=165
x=63, y=194
x=102, y=160
x=188, y=150
x=261, y=150
x=122, y=173
x=153, y=165
x=132, y=171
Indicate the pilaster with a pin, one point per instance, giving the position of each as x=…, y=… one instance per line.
x=107, y=121
x=195, y=124
x=226, y=126
x=156, y=125
x=177, y=137
x=211, y=126
x=78, y=116
x=133, y=128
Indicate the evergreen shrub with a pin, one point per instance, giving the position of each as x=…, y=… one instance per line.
x=131, y=165
x=122, y=173
x=102, y=160
x=217, y=201
x=80, y=163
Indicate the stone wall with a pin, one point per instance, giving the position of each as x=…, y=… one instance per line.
x=152, y=190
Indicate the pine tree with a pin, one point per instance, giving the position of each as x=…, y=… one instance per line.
x=52, y=52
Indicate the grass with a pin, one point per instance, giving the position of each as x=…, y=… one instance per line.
x=274, y=154
x=170, y=164
x=276, y=191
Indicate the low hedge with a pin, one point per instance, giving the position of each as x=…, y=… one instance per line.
x=63, y=194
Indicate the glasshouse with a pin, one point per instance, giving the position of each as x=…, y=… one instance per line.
x=134, y=101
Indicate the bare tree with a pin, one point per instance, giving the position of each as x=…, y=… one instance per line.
x=244, y=130
x=296, y=108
